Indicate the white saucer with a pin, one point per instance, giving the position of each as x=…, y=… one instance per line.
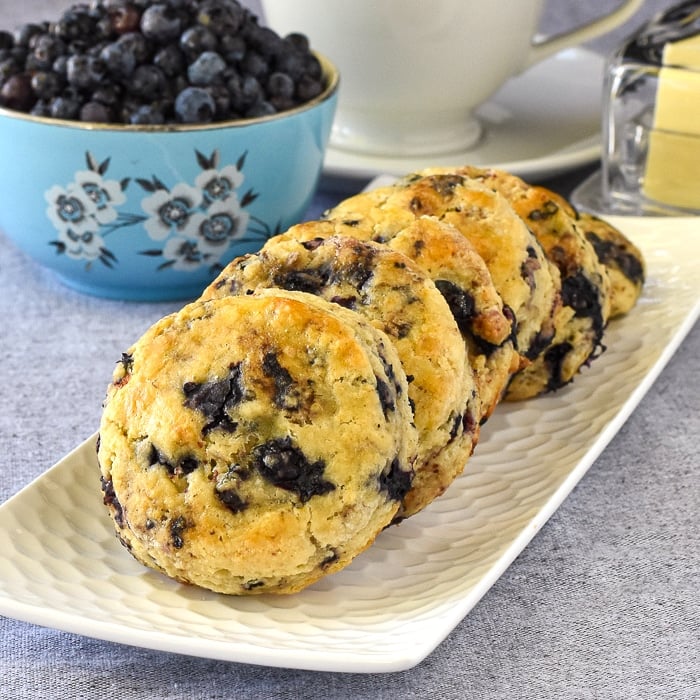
x=541, y=123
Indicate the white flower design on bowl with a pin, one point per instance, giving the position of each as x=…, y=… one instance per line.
x=196, y=223
x=171, y=211
x=219, y=185
x=105, y=194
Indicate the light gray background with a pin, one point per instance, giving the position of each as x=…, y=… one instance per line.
x=602, y=604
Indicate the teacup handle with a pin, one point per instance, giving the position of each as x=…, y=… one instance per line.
x=546, y=46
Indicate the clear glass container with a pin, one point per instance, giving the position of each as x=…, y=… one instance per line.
x=651, y=121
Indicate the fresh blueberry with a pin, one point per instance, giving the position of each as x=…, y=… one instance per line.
x=255, y=65
x=6, y=40
x=147, y=81
x=245, y=92
x=307, y=88
x=45, y=50
x=63, y=107
x=8, y=68
x=170, y=59
x=147, y=114
x=109, y=95
x=123, y=18
x=261, y=109
x=119, y=58
x=206, y=69
x=46, y=84
x=161, y=22
x=194, y=105
x=75, y=23
x=232, y=47
x=25, y=32
x=16, y=93
x=95, y=112
x=84, y=71
x=221, y=16
x=197, y=39
x=280, y=85
x=140, y=46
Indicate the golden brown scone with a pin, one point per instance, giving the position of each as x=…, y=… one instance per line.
x=621, y=258
x=398, y=297
x=585, y=285
x=487, y=325
x=254, y=444
x=461, y=275
x=527, y=282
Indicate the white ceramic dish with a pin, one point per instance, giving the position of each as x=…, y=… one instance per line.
x=61, y=565
x=542, y=123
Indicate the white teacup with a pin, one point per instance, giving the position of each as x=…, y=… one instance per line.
x=413, y=71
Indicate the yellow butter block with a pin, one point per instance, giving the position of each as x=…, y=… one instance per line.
x=685, y=52
x=678, y=101
x=673, y=161
x=673, y=169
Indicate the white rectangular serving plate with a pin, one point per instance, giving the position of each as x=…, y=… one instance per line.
x=62, y=567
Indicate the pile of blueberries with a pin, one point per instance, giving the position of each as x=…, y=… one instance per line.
x=155, y=62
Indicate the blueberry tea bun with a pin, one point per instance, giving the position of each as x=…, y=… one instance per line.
x=396, y=296
x=253, y=444
x=528, y=284
x=622, y=259
x=460, y=274
x=585, y=285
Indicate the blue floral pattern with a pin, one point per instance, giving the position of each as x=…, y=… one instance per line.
x=196, y=223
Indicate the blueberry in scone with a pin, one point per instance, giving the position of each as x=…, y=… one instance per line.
x=396, y=296
x=254, y=444
x=622, y=259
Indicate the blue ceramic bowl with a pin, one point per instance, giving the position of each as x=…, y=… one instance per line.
x=154, y=213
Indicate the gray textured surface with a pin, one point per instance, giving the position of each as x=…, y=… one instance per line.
x=602, y=604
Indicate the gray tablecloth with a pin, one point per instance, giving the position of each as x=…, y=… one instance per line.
x=602, y=604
